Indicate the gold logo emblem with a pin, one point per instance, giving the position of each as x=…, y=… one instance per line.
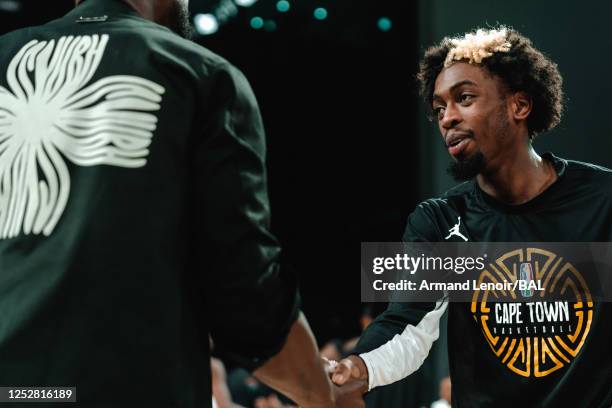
x=541, y=328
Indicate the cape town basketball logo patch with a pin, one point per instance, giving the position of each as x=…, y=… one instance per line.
x=50, y=113
x=534, y=331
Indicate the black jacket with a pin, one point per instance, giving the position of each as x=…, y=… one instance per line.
x=134, y=216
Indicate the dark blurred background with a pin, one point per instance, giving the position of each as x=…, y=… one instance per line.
x=350, y=150
x=339, y=110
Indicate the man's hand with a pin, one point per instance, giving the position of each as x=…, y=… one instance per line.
x=350, y=395
x=349, y=368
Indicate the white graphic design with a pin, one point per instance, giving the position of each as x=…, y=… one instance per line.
x=455, y=230
x=48, y=110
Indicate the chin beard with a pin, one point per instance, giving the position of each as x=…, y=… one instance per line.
x=468, y=168
x=180, y=21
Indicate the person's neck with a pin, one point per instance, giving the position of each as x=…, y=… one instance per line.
x=145, y=8
x=518, y=177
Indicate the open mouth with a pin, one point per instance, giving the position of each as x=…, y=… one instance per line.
x=458, y=145
x=456, y=142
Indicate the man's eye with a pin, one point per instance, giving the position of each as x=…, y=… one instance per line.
x=439, y=111
x=466, y=97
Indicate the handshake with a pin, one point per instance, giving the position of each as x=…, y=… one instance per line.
x=350, y=377
x=298, y=372
x=351, y=368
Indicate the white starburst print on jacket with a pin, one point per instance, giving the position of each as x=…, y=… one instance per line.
x=50, y=113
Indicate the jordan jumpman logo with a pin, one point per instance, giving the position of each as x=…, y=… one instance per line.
x=455, y=230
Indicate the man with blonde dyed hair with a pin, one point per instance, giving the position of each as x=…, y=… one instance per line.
x=491, y=93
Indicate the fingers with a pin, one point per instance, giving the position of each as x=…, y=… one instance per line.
x=343, y=372
x=352, y=367
x=329, y=365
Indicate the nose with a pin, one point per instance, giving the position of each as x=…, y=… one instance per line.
x=451, y=118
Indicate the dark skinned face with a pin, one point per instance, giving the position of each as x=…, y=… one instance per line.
x=472, y=115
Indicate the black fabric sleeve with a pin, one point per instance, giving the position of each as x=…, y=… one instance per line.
x=251, y=301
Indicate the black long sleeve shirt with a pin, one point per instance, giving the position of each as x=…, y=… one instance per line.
x=532, y=366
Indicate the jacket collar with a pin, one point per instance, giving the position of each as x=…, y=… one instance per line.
x=97, y=9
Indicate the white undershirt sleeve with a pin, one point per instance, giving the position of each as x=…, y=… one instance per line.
x=405, y=352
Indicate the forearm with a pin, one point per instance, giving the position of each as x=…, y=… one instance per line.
x=297, y=370
x=405, y=352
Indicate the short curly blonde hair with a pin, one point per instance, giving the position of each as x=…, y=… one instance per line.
x=476, y=46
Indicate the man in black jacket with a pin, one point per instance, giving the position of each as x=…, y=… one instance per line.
x=134, y=217
x=492, y=92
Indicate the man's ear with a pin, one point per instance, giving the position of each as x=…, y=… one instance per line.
x=520, y=105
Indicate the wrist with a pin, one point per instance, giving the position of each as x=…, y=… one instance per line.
x=360, y=366
x=320, y=396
